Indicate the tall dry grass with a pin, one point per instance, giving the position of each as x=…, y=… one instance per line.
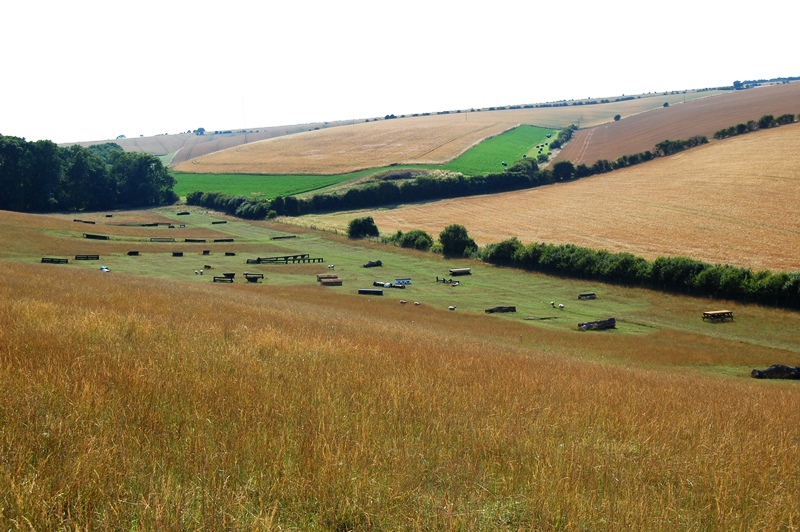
x=133, y=403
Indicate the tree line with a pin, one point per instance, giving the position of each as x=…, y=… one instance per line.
x=680, y=275
x=43, y=177
x=671, y=274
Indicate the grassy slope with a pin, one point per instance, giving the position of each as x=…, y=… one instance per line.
x=149, y=397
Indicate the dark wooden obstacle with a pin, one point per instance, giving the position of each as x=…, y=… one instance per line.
x=333, y=281
x=599, y=325
x=500, y=309
x=183, y=213
x=161, y=239
x=194, y=240
x=222, y=279
x=230, y=254
x=321, y=276
x=177, y=253
x=253, y=277
x=302, y=258
x=281, y=237
x=370, y=292
x=95, y=237
x=133, y=253
x=229, y=275
x=587, y=295
x=460, y=271
x=87, y=257
x=219, y=222
x=89, y=222
x=206, y=252
x=54, y=260
x=777, y=371
x=372, y=264
x=223, y=240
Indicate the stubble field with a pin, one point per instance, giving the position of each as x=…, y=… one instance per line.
x=639, y=133
x=731, y=202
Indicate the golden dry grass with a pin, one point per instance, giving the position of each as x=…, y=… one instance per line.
x=431, y=139
x=145, y=404
x=730, y=202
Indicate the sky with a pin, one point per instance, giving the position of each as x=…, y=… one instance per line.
x=93, y=70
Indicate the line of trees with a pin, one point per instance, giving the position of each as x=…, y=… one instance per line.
x=765, y=122
x=43, y=177
x=241, y=206
x=671, y=274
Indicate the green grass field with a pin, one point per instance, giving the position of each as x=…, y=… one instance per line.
x=487, y=156
x=483, y=159
x=260, y=185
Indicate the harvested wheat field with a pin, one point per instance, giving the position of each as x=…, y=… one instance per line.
x=433, y=139
x=705, y=116
x=729, y=202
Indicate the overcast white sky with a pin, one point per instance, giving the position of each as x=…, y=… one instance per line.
x=92, y=70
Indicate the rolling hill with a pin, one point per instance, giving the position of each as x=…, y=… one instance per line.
x=641, y=132
x=432, y=139
x=727, y=202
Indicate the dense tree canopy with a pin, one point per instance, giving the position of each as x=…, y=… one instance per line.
x=456, y=242
x=41, y=177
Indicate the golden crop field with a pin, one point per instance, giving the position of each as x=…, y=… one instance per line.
x=144, y=398
x=433, y=139
x=729, y=202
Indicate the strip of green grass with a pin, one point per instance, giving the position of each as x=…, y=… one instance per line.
x=511, y=146
x=258, y=185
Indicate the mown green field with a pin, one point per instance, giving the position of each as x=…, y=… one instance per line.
x=488, y=156
x=258, y=185
x=485, y=158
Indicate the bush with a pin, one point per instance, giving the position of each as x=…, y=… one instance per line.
x=414, y=239
x=362, y=227
x=456, y=242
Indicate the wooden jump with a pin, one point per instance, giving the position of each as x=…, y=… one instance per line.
x=500, y=309
x=87, y=257
x=718, y=315
x=161, y=239
x=253, y=277
x=331, y=282
x=222, y=279
x=460, y=271
x=54, y=260
x=287, y=259
x=370, y=292
x=587, y=295
x=95, y=237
